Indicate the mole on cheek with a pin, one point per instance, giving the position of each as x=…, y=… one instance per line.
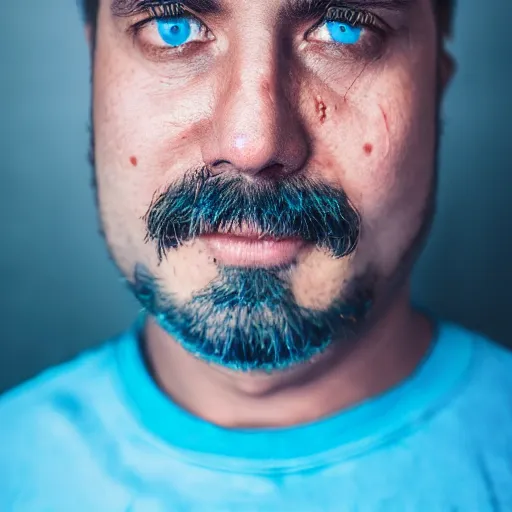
x=133, y=161
x=368, y=148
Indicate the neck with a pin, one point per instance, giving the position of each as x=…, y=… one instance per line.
x=336, y=380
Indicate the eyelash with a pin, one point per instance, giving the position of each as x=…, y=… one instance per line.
x=160, y=11
x=353, y=17
x=172, y=10
x=358, y=18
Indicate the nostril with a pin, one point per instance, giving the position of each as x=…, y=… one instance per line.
x=269, y=171
x=221, y=166
x=218, y=163
x=272, y=171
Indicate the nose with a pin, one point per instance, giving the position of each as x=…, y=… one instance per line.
x=256, y=127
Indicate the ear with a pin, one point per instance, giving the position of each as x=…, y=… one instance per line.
x=447, y=64
x=88, y=35
x=447, y=68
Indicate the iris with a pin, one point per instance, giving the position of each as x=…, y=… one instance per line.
x=176, y=31
x=343, y=33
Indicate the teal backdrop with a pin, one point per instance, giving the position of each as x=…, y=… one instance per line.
x=59, y=292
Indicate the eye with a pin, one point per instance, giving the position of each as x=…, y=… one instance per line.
x=179, y=31
x=343, y=32
x=336, y=32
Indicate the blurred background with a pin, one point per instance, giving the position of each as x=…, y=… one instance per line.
x=59, y=292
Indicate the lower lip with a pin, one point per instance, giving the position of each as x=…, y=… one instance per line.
x=238, y=251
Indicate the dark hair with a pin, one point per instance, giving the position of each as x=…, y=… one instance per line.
x=445, y=8
x=90, y=10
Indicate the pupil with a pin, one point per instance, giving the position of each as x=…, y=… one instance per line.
x=175, y=29
x=343, y=28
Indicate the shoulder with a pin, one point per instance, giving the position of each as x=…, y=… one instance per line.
x=474, y=428
x=39, y=394
x=45, y=423
x=491, y=362
x=483, y=399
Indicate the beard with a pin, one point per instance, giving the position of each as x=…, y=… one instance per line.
x=247, y=319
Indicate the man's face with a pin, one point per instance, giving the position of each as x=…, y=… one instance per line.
x=265, y=170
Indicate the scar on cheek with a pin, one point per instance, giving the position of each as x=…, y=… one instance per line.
x=321, y=109
x=386, y=127
x=368, y=148
x=385, y=118
x=133, y=161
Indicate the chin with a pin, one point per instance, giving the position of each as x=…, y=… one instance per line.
x=247, y=319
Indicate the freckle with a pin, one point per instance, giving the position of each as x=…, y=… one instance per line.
x=133, y=161
x=368, y=148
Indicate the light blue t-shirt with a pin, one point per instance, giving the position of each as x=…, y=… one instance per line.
x=97, y=435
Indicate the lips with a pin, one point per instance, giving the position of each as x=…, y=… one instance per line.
x=249, y=248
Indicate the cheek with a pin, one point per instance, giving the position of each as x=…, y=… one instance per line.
x=146, y=136
x=147, y=130
x=186, y=272
x=146, y=127
x=377, y=141
x=378, y=144
x=141, y=112
x=319, y=278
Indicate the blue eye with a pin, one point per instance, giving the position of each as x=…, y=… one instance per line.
x=176, y=31
x=343, y=33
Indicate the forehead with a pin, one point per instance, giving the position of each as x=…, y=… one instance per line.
x=292, y=7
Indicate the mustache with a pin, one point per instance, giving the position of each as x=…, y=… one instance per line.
x=202, y=203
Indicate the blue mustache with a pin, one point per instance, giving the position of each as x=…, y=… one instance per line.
x=299, y=207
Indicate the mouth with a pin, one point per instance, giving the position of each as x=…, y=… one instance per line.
x=247, y=248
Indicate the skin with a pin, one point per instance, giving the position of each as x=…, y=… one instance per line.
x=267, y=102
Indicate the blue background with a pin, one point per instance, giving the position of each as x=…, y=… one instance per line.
x=59, y=292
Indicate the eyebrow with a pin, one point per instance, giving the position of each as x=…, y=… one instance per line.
x=131, y=7
x=296, y=9
x=304, y=9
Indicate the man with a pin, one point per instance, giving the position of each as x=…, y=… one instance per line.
x=266, y=177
